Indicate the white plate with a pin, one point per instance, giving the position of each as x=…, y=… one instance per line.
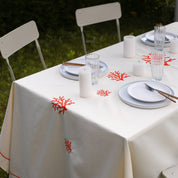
x=151, y=43
x=126, y=98
x=169, y=36
x=69, y=75
x=74, y=70
x=139, y=91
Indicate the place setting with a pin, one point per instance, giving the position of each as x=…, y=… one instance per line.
x=150, y=94
x=146, y=94
x=70, y=70
x=160, y=31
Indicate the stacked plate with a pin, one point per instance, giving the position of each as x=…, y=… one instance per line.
x=148, y=38
x=72, y=72
x=138, y=95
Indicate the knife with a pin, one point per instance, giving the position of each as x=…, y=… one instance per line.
x=162, y=93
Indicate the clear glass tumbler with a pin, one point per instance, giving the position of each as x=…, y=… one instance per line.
x=92, y=60
x=157, y=64
x=159, y=36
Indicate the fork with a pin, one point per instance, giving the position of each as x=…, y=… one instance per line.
x=162, y=93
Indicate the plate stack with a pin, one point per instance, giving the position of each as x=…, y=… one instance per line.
x=148, y=38
x=138, y=95
x=72, y=71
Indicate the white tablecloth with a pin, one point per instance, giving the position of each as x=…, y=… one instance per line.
x=96, y=137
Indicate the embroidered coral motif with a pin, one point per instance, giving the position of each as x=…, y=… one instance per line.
x=59, y=104
x=168, y=59
x=68, y=145
x=116, y=75
x=103, y=92
x=147, y=59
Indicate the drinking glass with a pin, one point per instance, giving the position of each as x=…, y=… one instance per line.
x=92, y=60
x=157, y=64
x=159, y=36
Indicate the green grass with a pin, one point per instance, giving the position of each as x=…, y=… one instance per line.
x=62, y=45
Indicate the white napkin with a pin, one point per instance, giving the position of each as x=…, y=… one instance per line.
x=174, y=46
x=139, y=69
x=85, y=82
x=129, y=46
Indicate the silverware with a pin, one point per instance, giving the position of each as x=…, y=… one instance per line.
x=75, y=64
x=166, y=95
x=72, y=64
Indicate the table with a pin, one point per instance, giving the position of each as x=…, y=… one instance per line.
x=49, y=131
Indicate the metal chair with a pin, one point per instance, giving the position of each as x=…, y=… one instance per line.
x=17, y=39
x=96, y=14
x=171, y=172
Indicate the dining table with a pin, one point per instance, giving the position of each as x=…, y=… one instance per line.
x=49, y=131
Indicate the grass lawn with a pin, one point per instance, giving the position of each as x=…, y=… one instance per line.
x=62, y=45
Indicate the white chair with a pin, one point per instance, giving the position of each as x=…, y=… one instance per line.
x=96, y=14
x=171, y=172
x=17, y=39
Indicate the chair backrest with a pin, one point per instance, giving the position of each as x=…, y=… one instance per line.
x=96, y=14
x=17, y=39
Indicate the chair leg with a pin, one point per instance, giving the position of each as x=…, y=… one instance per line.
x=118, y=29
x=40, y=54
x=10, y=70
x=83, y=40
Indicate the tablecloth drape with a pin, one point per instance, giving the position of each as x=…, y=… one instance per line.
x=49, y=131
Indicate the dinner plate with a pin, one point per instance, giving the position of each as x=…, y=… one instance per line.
x=74, y=76
x=74, y=70
x=169, y=36
x=151, y=43
x=140, y=91
x=127, y=99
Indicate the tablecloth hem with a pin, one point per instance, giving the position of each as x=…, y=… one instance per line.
x=4, y=164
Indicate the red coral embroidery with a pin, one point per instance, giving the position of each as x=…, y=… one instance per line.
x=68, y=145
x=168, y=59
x=59, y=104
x=103, y=92
x=147, y=59
x=116, y=75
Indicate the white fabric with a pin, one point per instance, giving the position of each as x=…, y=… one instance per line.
x=139, y=69
x=85, y=82
x=129, y=46
x=108, y=138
